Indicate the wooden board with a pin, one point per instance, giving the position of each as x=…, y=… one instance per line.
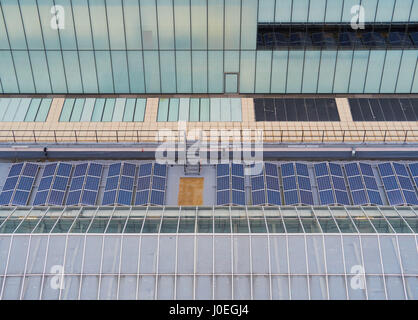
x=190, y=192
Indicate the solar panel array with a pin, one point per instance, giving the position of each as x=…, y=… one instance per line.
x=84, y=187
x=362, y=184
x=119, y=184
x=397, y=184
x=296, y=184
x=158, y=186
x=237, y=179
x=331, y=184
x=143, y=185
x=19, y=184
x=413, y=168
x=223, y=184
x=54, y=181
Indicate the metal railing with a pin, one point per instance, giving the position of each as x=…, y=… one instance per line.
x=274, y=135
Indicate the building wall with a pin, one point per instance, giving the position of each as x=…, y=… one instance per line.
x=183, y=46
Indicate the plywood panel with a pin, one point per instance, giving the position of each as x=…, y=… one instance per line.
x=190, y=192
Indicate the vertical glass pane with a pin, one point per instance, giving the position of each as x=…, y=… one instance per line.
x=215, y=71
x=184, y=73
x=232, y=24
x=294, y=73
x=310, y=71
x=204, y=287
x=168, y=77
x=204, y=254
x=215, y=24
x=247, y=73
x=222, y=257
x=194, y=109
x=390, y=72
x=200, y=71
x=199, y=24
x=88, y=71
x=120, y=71
x=111, y=254
x=182, y=23
x=152, y=72
x=263, y=70
x=327, y=69
x=297, y=256
x=104, y=72
x=185, y=255
x=299, y=288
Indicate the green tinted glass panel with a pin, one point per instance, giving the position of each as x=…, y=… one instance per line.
x=128, y=116
x=108, y=110
x=140, y=110
x=77, y=110
x=67, y=109
x=173, y=112
x=98, y=110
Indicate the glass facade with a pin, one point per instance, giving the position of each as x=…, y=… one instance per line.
x=24, y=109
x=192, y=253
x=199, y=46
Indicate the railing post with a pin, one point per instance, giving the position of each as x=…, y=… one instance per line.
x=384, y=138
x=302, y=135
x=343, y=136
x=406, y=136
x=55, y=136
x=34, y=135
x=97, y=139
x=281, y=135
x=75, y=135
x=117, y=136
x=137, y=136
x=323, y=133
x=364, y=136
x=14, y=138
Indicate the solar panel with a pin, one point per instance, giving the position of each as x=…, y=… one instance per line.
x=119, y=184
x=10, y=184
x=59, y=184
x=143, y=186
x=413, y=168
x=92, y=184
x=296, y=184
x=258, y=195
x=338, y=183
x=405, y=183
x=223, y=184
x=326, y=192
x=237, y=184
x=370, y=184
x=390, y=184
x=158, y=186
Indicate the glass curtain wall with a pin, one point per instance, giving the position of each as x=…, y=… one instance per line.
x=198, y=46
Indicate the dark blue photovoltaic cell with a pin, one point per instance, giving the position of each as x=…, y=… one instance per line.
x=258, y=197
x=359, y=197
x=141, y=198
x=272, y=183
x=77, y=183
x=306, y=197
x=374, y=197
x=144, y=183
x=385, y=169
x=289, y=183
x=157, y=197
x=25, y=183
x=352, y=169
x=339, y=183
x=302, y=169
x=287, y=169
x=60, y=183
x=158, y=183
x=73, y=198
x=273, y=197
x=56, y=197
x=370, y=183
x=125, y=197
x=271, y=169
x=10, y=183
x=335, y=169
x=257, y=183
x=405, y=183
x=109, y=197
x=395, y=197
x=112, y=183
x=321, y=169
x=326, y=197
x=40, y=198
x=416, y=181
x=64, y=169
x=390, y=183
x=126, y=183
x=20, y=198
x=237, y=183
x=366, y=169
x=129, y=169
x=410, y=197
x=324, y=183
x=355, y=183
x=400, y=169
x=95, y=170
x=160, y=170
x=238, y=198
x=15, y=169
x=89, y=198
x=237, y=169
x=92, y=183
x=114, y=169
x=414, y=169
x=291, y=197
x=222, y=170
x=222, y=198
x=304, y=183
x=49, y=169
x=30, y=170
x=342, y=197
x=5, y=197
x=80, y=169
x=145, y=169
